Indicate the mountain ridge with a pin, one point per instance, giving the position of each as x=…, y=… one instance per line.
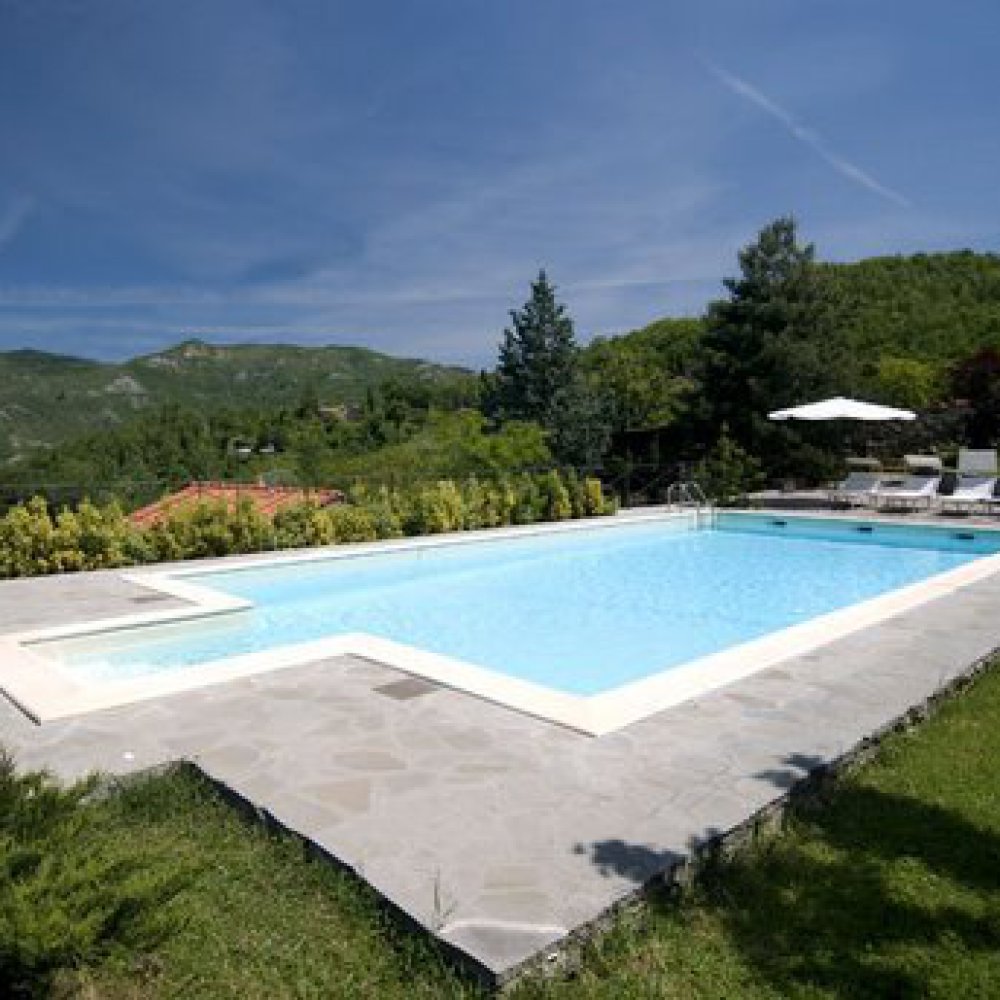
x=47, y=398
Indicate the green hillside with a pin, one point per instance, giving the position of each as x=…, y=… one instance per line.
x=47, y=398
x=897, y=327
x=937, y=307
x=891, y=329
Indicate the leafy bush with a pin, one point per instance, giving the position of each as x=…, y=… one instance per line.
x=32, y=542
x=352, y=524
x=529, y=503
x=302, y=524
x=385, y=510
x=26, y=539
x=477, y=511
x=577, y=494
x=595, y=503
x=212, y=528
x=555, y=497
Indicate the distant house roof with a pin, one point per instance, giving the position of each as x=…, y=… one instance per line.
x=340, y=411
x=267, y=499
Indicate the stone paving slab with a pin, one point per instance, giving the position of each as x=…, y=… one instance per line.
x=502, y=833
x=40, y=601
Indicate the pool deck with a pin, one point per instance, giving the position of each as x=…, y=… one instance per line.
x=498, y=832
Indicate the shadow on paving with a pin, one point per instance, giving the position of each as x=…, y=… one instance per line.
x=863, y=894
x=636, y=862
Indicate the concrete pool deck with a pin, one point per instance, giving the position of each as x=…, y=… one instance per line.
x=498, y=832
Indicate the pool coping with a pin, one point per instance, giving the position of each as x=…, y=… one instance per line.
x=46, y=692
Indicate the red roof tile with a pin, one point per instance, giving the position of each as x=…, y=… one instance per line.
x=267, y=499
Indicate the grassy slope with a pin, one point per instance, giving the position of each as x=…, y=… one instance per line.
x=45, y=399
x=891, y=889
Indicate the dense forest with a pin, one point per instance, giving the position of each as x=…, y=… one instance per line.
x=46, y=399
x=921, y=331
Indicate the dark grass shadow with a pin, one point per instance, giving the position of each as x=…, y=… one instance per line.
x=855, y=818
x=860, y=896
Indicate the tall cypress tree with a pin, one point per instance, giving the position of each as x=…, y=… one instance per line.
x=537, y=357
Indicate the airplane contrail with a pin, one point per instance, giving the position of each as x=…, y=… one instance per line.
x=806, y=136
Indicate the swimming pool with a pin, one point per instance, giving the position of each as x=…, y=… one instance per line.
x=587, y=626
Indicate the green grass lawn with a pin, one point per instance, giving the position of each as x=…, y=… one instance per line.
x=890, y=889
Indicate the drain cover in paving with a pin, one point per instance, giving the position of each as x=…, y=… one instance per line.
x=407, y=688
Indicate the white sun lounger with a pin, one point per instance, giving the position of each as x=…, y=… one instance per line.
x=858, y=489
x=913, y=492
x=970, y=492
x=917, y=489
x=977, y=480
x=977, y=462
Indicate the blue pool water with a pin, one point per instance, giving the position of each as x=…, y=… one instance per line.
x=581, y=611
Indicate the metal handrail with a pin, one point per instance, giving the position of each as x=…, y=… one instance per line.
x=688, y=492
x=698, y=493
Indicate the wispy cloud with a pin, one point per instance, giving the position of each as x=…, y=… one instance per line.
x=807, y=136
x=14, y=217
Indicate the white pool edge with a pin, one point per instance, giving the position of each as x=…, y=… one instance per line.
x=46, y=692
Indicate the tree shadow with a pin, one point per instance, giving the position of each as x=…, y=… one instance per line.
x=799, y=766
x=862, y=897
x=639, y=863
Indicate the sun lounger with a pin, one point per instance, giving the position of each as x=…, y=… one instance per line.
x=857, y=490
x=977, y=462
x=912, y=493
x=970, y=492
x=917, y=489
x=977, y=481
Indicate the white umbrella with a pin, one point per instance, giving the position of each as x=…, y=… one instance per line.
x=840, y=408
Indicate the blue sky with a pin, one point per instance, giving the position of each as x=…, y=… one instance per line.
x=394, y=173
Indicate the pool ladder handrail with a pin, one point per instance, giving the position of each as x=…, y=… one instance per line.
x=688, y=493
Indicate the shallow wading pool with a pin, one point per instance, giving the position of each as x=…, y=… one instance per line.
x=592, y=627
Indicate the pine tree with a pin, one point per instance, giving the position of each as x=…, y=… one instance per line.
x=767, y=345
x=537, y=357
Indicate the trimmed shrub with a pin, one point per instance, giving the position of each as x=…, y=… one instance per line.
x=32, y=542
x=302, y=524
x=555, y=497
x=528, y=503
x=434, y=509
x=27, y=535
x=594, y=501
x=91, y=537
x=212, y=528
x=385, y=512
x=576, y=492
x=475, y=505
x=351, y=523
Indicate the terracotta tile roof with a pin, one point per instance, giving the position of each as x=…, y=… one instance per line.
x=267, y=499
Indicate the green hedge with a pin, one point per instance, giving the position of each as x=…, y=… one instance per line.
x=34, y=542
